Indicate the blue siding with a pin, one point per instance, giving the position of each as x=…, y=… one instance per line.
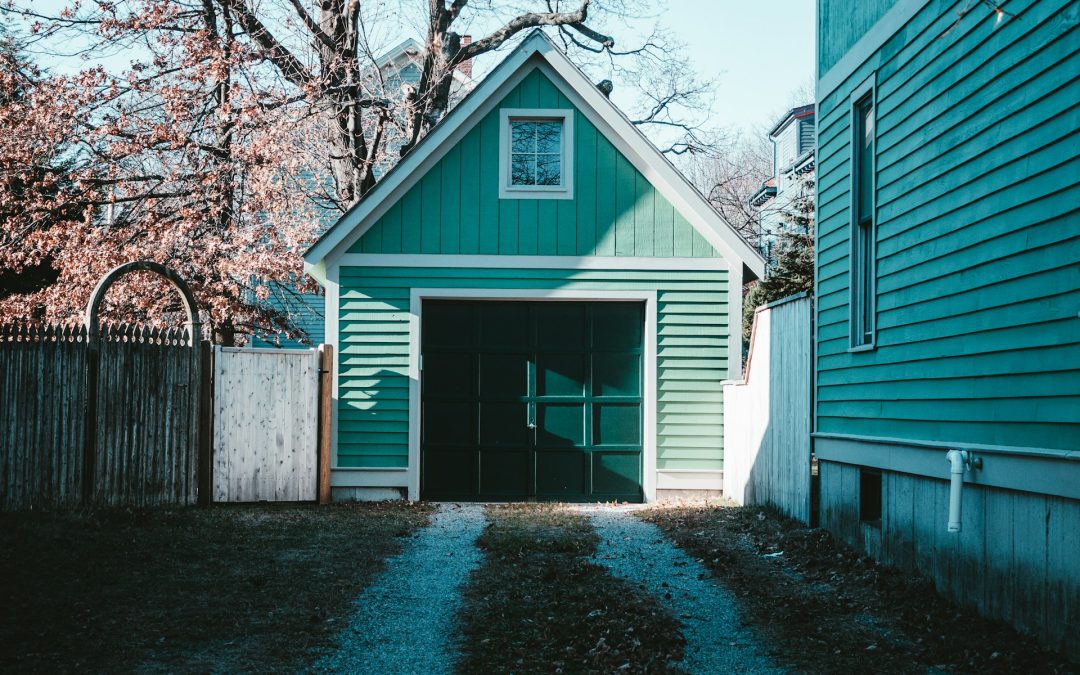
x=978, y=222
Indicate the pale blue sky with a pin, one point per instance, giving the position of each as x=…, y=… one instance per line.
x=760, y=52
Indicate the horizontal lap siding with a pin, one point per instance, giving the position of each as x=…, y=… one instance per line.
x=455, y=208
x=692, y=353
x=978, y=235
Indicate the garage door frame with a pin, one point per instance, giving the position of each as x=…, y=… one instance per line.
x=416, y=299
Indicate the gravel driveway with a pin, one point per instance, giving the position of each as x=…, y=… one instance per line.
x=716, y=641
x=404, y=621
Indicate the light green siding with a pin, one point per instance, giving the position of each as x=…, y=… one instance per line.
x=455, y=208
x=692, y=354
x=978, y=234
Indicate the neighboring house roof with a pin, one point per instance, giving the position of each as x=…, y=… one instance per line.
x=537, y=48
x=411, y=51
x=793, y=114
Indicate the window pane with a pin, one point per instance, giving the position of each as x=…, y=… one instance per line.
x=866, y=160
x=523, y=136
x=548, y=169
x=867, y=269
x=523, y=170
x=548, y=136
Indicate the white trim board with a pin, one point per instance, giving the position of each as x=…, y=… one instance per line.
x=649, y=399
x=1041, y=471
x=532, y=262
x=536, y=51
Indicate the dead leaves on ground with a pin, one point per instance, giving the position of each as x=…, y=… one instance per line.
x=539, y=605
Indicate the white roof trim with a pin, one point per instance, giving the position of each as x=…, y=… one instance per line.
x=611, y=122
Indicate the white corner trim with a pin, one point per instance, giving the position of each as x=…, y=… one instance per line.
x=331, y=325
x=531, y=262
x=565, y=190
x=868, y=45
x=735, y=319
x=600, y=111
x=649, y=401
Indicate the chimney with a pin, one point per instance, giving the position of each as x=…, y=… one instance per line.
x=465, y=67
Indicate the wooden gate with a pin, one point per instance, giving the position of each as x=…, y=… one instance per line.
x=266, y=424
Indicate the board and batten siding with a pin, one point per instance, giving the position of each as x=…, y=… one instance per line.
x=373, y=373
x=455, y=208
x=978, y=244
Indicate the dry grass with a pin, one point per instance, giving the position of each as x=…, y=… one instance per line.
x=823, y=608
x=539, y=605
x=230, y=588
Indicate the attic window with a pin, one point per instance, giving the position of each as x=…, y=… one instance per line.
x=535, y=154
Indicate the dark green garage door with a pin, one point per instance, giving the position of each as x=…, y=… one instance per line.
x=524, y=400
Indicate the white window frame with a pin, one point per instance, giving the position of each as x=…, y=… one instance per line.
x=858, y=342
x=565, y=190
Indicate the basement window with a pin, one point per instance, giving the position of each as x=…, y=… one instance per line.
x=870, y=496
x=536, y=154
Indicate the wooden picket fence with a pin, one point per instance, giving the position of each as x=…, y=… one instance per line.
x=767, y=448
x=126, y=419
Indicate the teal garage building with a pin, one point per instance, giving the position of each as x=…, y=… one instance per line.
x=948, y=290
x=534, y=304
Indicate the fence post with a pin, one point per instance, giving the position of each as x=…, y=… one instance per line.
x=326, y=383
x=206, y=424
x=90, y=419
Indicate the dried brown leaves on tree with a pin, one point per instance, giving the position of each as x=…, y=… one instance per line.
x=233, y=131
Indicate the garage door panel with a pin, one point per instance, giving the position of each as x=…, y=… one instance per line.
x=445, y=373
x=450, y=473
x=561, y=374
x=616, y=374
x=503, y=376
x=617, y=326
x=506, y=473
x=561, y=326
x=504, y=326
x=527, y=400
x=561, y=474
x=448, y=325
x=616, y=424
x=560, y=424
x=504, y=424
x=616, y=473
x=449, y=423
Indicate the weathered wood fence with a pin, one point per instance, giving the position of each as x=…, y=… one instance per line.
x=767, y=447
x=136, y=443
x=145, y=437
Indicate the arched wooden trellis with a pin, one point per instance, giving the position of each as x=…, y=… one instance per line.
x=201, y=363
x=174, y=279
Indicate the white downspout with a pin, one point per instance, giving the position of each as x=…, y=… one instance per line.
x=957, y=461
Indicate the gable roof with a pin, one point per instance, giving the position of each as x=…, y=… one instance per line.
x=537, y=50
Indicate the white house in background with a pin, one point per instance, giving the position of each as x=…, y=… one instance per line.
x=794, y=141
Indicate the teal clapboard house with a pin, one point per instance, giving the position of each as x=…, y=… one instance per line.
x=534, y=304
x=948, y=297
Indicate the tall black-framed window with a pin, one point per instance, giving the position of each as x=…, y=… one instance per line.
x=863, y=235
